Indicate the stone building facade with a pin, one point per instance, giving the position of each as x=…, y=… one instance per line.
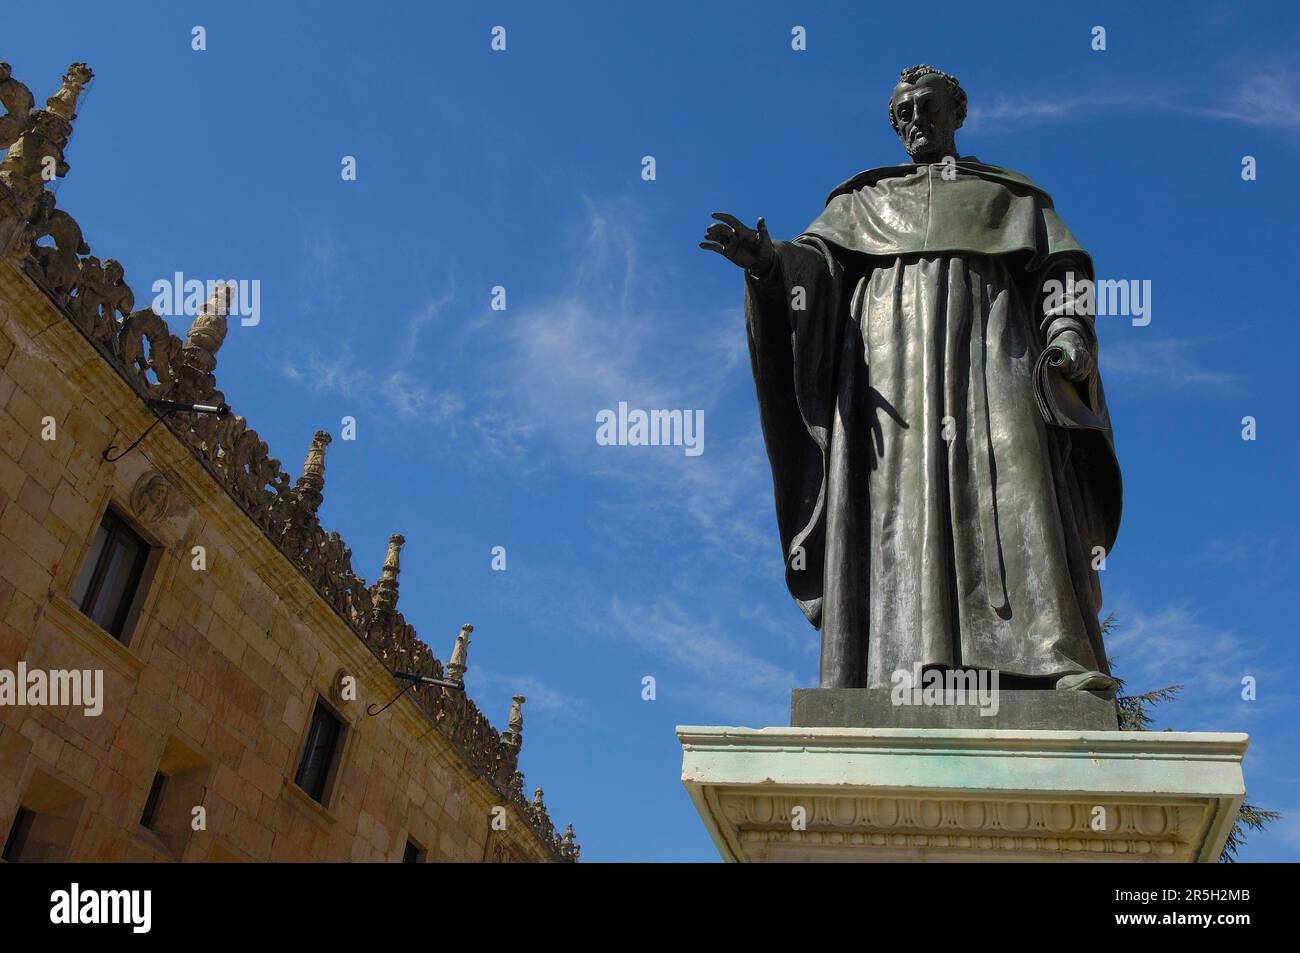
x=242, y=665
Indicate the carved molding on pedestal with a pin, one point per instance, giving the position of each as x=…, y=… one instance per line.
x=952, y=825
x=931, y=794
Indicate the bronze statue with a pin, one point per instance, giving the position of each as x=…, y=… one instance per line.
x=945, y=479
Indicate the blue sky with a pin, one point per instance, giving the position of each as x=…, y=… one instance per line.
x=476, y=428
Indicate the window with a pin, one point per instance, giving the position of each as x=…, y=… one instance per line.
x=45, y=823
x=150, y=815
x=179, y=783
x=319, y=753
x=111, y=574
x=413, y=854
x=18, y=835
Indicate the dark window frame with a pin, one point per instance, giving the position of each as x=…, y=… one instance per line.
x=325, y=732
x=118, y=528
x=19, y=831
x=149, y=816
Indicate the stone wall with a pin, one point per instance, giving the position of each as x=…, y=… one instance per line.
x=220, y=666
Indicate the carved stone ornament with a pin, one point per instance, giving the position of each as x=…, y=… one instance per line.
x=151, y=498
x=343, y=689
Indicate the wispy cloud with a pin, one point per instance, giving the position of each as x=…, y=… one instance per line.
x=1265, y=95
x=400, y=391
x=1265, y=558
x=1023, y=109
x=528, y=387
x=410, y=397
x=542, y=699
x=1176, y=644
x=793, y=631
x=370, y=375
x=1165, y=362
x=327, y=375
x=703, y=661
x=426, y=314
x=607, y=338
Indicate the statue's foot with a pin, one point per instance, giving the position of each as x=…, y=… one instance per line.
x=1097, y=682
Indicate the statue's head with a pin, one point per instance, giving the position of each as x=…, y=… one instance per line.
x=926, y=109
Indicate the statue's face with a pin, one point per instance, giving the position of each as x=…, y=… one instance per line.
x=927, y=119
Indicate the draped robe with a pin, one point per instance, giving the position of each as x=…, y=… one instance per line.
x=928, y=511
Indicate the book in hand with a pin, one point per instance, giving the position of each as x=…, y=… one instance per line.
x=1059, y=399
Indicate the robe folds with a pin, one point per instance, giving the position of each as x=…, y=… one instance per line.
x=928, y=511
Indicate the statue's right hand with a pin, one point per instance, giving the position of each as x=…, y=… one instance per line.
x=751, y=249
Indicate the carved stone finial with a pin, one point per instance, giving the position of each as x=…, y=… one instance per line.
x=537, y=800
x=198, y=358
x=208, y=331
x=385, y=590
x=311, y=485
x=459, y=661
x=18, y=102
x=569, y=849
x=515, y=724
x=513, y=735
x=25, y=167
x=35, y=137
x=64, y=103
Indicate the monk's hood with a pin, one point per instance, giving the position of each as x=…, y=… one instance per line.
x=912, y=209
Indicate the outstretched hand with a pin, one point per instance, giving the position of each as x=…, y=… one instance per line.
x=751, y=249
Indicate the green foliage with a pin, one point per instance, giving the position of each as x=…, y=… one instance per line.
x=1250, y=816
x=1135, y=715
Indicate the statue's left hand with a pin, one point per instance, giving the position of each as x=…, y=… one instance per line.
x=1076, y=361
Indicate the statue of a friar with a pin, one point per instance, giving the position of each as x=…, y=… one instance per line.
x=945, y=479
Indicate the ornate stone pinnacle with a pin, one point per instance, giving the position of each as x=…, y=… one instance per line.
x=385, y=591
x=569, y=848
x=459, y=661
x=208, y=331
x=311, y=485
x=515, y=724
x=537, y=801
x=64, y=103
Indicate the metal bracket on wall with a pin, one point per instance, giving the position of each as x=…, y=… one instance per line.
x=415, y=680
x=166, y=408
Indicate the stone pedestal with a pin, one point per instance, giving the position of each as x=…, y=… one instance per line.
x=954, y=794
